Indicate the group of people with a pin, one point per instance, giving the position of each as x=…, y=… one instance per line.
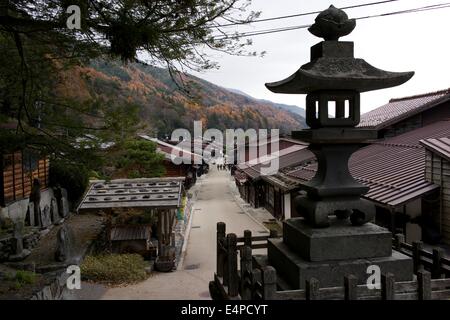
x=222, y=167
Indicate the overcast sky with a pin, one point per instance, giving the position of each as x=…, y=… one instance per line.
x=410, y=42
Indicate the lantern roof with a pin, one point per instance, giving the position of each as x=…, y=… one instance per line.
x=333, y=66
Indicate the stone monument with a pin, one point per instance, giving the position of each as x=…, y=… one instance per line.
x=336, y=237
x=19, y=253
x=64, y=244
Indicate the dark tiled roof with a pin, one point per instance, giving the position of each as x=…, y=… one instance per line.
x=133, y=193
x=440, y=146
x=399, y=109
x=393, y=168
x=288, y=157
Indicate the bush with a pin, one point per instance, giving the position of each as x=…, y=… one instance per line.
x=74, y=178
x=21, y=278
x=114, y=269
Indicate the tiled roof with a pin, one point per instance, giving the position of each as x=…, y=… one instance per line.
x=393, y=168
x=440, y=146
x=402, y=108
x=288, y=157
x=172, y=152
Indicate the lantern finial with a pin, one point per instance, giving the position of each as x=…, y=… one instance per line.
x=332, y=24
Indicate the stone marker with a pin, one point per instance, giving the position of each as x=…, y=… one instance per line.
x=64, y=244
x=54, y=212
x=29, y=218
x=46, y=217
x=63, y=202
x=35, y=198
x=19, y=253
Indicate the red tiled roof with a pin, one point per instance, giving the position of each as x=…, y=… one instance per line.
x=402, y=108
x=393, y=168
x=440, y=146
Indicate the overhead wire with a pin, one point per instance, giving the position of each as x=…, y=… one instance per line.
x=304, y=26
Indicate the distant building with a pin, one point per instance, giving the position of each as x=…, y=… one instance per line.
x=178, y=162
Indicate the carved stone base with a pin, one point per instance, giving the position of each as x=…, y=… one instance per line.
x=317, y=213
x=339, y=242
x=295, y=270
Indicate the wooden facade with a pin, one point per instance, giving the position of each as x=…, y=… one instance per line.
x=437, y=170
x=18, y=171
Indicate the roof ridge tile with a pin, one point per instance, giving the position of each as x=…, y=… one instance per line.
x=421, y=95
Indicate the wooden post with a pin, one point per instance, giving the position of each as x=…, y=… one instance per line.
x=219, y=252
x=269, y=283
x=233, y=285
x=399, y=239
x=246, y=273
x=436, y=271
x=387, y=286
x=350, y=283
x=312, y=289
x=424, y=284
x=168, y=227
x=417, y=248
x=160, y=233
x=273, y=233
x=256, y=278
x=247, y=238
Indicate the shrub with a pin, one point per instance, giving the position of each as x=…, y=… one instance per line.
x=114, y=269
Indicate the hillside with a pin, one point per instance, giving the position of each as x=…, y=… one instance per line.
x=164, y=107
x=291, y=108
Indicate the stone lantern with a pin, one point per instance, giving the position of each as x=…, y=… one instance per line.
x=326, y=237
x=333, y=81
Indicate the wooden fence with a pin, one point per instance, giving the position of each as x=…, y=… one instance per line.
x=245, y=282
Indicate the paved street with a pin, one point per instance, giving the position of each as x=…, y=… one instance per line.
x=215, y=202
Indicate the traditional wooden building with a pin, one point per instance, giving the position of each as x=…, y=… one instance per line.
x=19, y=169
x=437, y=171
x=254, y=184
x=401, y=115
x=178, y=162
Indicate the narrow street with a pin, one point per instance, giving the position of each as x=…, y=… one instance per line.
x=215, y=202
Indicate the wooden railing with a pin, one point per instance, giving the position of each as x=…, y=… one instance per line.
x=434, y=261
x=248, y=282
x=233, y=280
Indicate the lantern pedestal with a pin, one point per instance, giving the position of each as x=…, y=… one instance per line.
x=295, y=270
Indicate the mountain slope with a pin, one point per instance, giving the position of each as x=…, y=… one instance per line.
x=291, y=108
x=164, y=107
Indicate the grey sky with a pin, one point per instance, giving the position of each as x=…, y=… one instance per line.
x=409, y=42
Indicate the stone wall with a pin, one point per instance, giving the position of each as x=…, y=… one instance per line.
x=30, y=240
x=17, y=210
